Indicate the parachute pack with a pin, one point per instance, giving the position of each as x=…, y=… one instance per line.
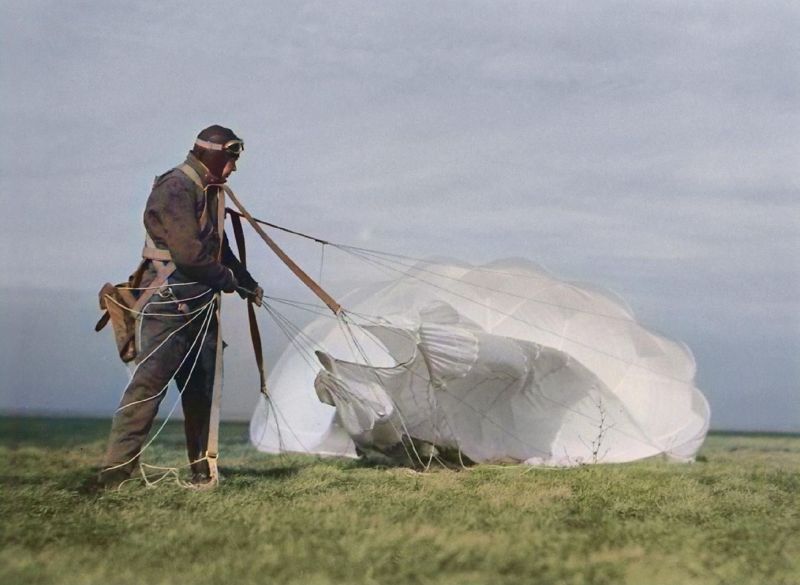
x=117, y=303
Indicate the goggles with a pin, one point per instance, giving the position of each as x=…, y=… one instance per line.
x=233, y=147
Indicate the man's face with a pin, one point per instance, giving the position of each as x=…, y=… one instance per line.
x=230, y=166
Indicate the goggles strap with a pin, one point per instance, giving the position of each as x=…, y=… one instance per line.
x=214, y=146
x=209, y=145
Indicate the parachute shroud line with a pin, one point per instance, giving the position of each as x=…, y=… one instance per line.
x=307, y=280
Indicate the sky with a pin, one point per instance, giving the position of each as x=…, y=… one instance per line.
x=649, y=148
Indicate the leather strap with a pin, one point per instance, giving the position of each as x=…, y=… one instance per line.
x=187, y=170
x=220, y=218
x=151, y=252
x=212, y=449
x=156, y=254
x=102, y=321
x=163, y=271
x=255, y=334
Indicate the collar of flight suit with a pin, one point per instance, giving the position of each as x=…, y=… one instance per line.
x=202, y=171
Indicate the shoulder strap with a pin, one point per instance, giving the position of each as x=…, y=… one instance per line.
x=150, y=251
x=187, y=170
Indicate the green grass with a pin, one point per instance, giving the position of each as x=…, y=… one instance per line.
x=733, y=517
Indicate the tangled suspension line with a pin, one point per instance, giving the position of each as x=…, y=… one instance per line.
x=207, y=313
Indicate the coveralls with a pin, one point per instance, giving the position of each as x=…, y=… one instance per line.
x=173, y=215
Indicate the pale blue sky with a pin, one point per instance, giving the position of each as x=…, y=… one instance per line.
x=651, y=148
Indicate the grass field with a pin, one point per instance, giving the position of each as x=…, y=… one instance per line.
x=732, y=517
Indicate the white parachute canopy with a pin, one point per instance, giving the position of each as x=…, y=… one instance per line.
x=501, y=362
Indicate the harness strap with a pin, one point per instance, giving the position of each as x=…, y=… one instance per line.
x=163, y=271
x=162, y=259
x=187, y=170
x=212, y=447
x=151, y=252
x=220, y=218
x=255, y=334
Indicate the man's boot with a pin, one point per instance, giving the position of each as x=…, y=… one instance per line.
x=201, y=476
x=112, y=479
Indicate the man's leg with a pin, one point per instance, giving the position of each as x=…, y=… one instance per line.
x=148, y=386
x=196, y=399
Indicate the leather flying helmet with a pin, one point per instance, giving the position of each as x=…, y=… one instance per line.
x=215, y=146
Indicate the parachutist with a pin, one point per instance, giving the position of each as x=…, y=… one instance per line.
x=187, y=264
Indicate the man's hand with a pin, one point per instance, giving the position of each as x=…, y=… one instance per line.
x=257, y=296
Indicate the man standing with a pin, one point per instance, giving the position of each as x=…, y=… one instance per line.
x=187, y=262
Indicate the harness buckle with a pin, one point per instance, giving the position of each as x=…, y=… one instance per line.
x=167, y=293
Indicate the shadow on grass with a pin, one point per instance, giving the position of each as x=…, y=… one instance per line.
x=256, y=473
x=293, y=466
x=82, y=481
